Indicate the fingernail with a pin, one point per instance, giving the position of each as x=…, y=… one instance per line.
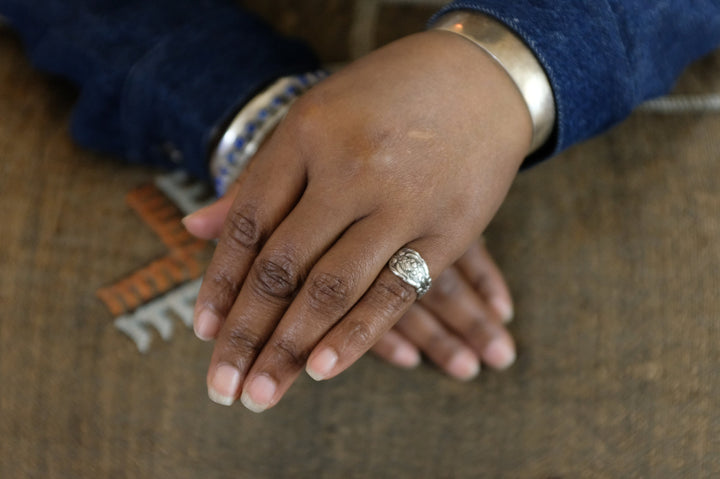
x=187, y=219
x=224, y=385
x=503, y=308
x=207, y=325
x=464, y=365
x=322, y=364
x=406, y=356
x=258, y=395
x=499, y=354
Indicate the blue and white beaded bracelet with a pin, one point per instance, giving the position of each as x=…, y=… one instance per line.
x=253, y=124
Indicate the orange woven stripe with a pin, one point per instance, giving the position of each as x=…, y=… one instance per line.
x=162, y=281
x=175, y=269
x=112, y=302
x=181, y=264
x=161, y=215
x=141, y=286
x=128, y=294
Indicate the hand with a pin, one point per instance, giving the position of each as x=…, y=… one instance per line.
x=415, y=145
x=458, y=323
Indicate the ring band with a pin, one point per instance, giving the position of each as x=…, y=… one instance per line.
x=408, y=265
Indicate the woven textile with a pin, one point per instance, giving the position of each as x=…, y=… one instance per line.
x=611, y=251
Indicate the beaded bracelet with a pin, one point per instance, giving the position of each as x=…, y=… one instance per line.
x=253, y=124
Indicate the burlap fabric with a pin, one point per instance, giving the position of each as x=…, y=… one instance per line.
x=611, y=251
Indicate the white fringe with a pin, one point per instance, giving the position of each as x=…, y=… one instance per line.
x=159, y=314
x=187, y=194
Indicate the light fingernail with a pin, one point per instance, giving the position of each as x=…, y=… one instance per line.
x=406, y=356
x=321, y=365
x=464, y=365
x=207, y=325
x=499, y=354
x=503, y=308
x=188, y=219
x=224, y=385
x=258, y=395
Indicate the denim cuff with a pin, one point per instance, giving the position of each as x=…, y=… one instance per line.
x=604, y=57
x=157, y=79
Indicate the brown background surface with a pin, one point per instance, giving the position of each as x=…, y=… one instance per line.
x=611, y=251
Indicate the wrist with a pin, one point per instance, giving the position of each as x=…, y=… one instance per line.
x=246, y=132
x=515, y=58
x=485, y=103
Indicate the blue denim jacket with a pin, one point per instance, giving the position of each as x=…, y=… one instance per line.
x=604, y=57
x=158, y=78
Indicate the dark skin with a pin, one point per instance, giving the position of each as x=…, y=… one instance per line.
x=414, y=145
x=457, y=325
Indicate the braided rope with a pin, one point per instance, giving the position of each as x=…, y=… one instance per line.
x=708, y=103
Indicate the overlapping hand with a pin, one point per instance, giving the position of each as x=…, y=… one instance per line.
x=415, y=145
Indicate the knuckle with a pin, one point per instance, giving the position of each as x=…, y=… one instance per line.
x=308, y=116
x=361, y=335
x=482, y=283
x=243, y=343
x=223, y=283
x=446, y=287
x=311, y=121
x=328, y=293
x=392, y=294
x=444, y=347
x=437, y=340
x=276, y=277
x=291, y=353
x=476, y=327
x=242, y=228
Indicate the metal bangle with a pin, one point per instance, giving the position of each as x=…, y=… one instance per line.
x=251, y=126
x=516, y=58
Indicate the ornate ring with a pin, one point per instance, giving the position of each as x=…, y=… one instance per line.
x=408, y=265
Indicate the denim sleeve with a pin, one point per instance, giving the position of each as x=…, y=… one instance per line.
x=604, y=57
x=156, y=78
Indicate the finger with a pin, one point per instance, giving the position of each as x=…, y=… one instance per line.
x=454, y=302
x=394, y=348
x=271, y=285
x=267, y=196
x=336, y=282
x=486, y=279
x=440, y=345
x=380, y=308
x=207, y=223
